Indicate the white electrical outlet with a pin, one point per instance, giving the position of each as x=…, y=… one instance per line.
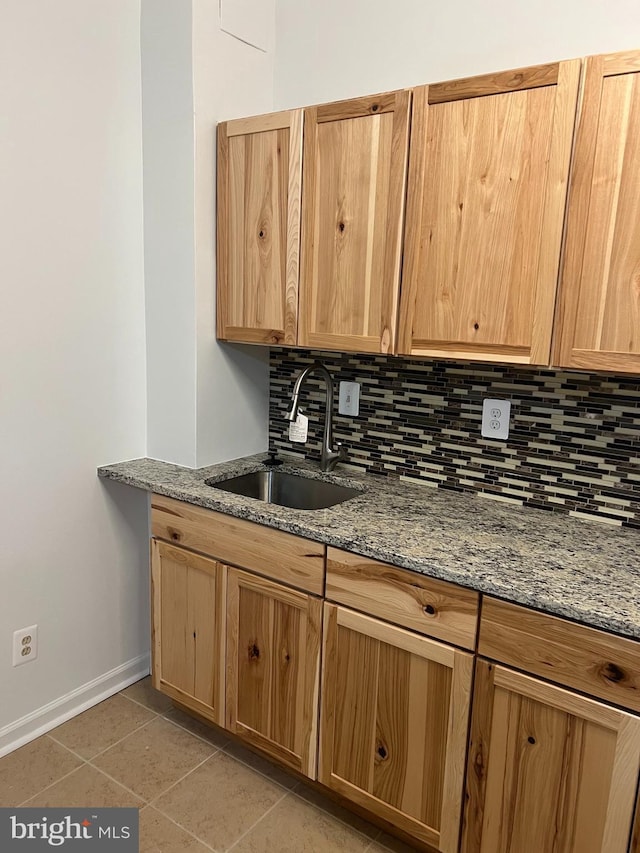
x=349, y=398
x=495, y=418
x=25, y=645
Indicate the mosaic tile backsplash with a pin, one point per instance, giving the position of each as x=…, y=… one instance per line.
x=574, y=442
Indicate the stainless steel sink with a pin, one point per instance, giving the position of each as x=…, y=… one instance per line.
x=292, y=490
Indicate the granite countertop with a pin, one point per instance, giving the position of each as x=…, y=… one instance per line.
x=583, y=570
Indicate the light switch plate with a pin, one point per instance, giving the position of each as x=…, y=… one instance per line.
x=349, y=398
x=495, y=418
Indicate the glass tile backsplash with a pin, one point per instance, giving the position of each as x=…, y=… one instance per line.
x=574, y=442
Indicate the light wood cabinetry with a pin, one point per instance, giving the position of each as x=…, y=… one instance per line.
x=439, y=609
x=273, y=668
x=486, y=196
x=395, y=709
x=279, y=555
x=575, y=656
x=259, y=186
x=341, y=691
x=188, y=628
x=634, y=846
x=599, y=316
x=241, y=648
x=355, y=156
x=549, y=770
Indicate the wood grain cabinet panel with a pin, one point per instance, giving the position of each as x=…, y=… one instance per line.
x=575, y=656
x=549, y=771
x=278, y=555
x=355, y=158
x=188, y=628
x=273, y=668
x=634, y=846
x=486, y=191
x=599, y=316
x=439, y=609
x=259, y=186
x=395, y=709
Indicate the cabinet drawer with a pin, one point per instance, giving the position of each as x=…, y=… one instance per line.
x=278, y=555
x=437, y=608
x=583, y=658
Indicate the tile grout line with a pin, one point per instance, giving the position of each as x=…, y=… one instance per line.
x=46, y=788
x=260, y=819
x=136, y=702
x=372, y=840
x=182, y=828
x=106, y=749
x=293, y=790
x=259, y=772
x=153, y=800
x=199, y=737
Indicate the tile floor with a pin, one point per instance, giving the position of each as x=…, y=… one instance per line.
x=196, y=791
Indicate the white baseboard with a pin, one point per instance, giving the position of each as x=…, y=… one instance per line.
x=44, y=719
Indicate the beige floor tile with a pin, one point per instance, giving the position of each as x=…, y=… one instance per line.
x=159, y=835
x=262, y=765
x=85, y=787
x=101, y=726
x=220, y=800
x=146, y=695
x=295, y=826
x=323, y=802
x=214, y=735
x=152, y=759
x=26, y=771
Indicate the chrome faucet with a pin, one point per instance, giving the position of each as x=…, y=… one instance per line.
x=329, y=457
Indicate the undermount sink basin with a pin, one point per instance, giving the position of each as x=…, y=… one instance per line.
x=292, y=490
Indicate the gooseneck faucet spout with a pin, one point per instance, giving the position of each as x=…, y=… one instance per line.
x=329, y=457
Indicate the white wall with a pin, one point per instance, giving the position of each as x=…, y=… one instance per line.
x=72, y=355
x=207, y=401
x=167, y=113
x=230, y=79
x=336, y=49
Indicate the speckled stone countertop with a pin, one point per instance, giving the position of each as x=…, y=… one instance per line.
x=583, y=570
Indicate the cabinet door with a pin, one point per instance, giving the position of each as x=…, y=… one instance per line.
x=599, y=318
x=486, y=195
x=355, y=155
x=273, y=668
x=395, y=710
x=188, y=633
x=259, y=185
x=549, y=770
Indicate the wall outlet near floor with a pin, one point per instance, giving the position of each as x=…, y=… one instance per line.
x=495, y=418
x=349, y=398
x=25, y=645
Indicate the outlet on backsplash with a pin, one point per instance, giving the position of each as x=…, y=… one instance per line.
x=495, y=418
x=574, y=446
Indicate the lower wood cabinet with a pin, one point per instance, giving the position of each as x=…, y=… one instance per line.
x=550, y=771
x=395, y=709
x=188, y=626
x=273, y=668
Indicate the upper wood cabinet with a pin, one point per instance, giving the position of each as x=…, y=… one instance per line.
x=549, y=770
x=599, y=316
x=188, y=628
x=485, y=205
x=395, y=709
x=259, y=185
x=355, y=159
